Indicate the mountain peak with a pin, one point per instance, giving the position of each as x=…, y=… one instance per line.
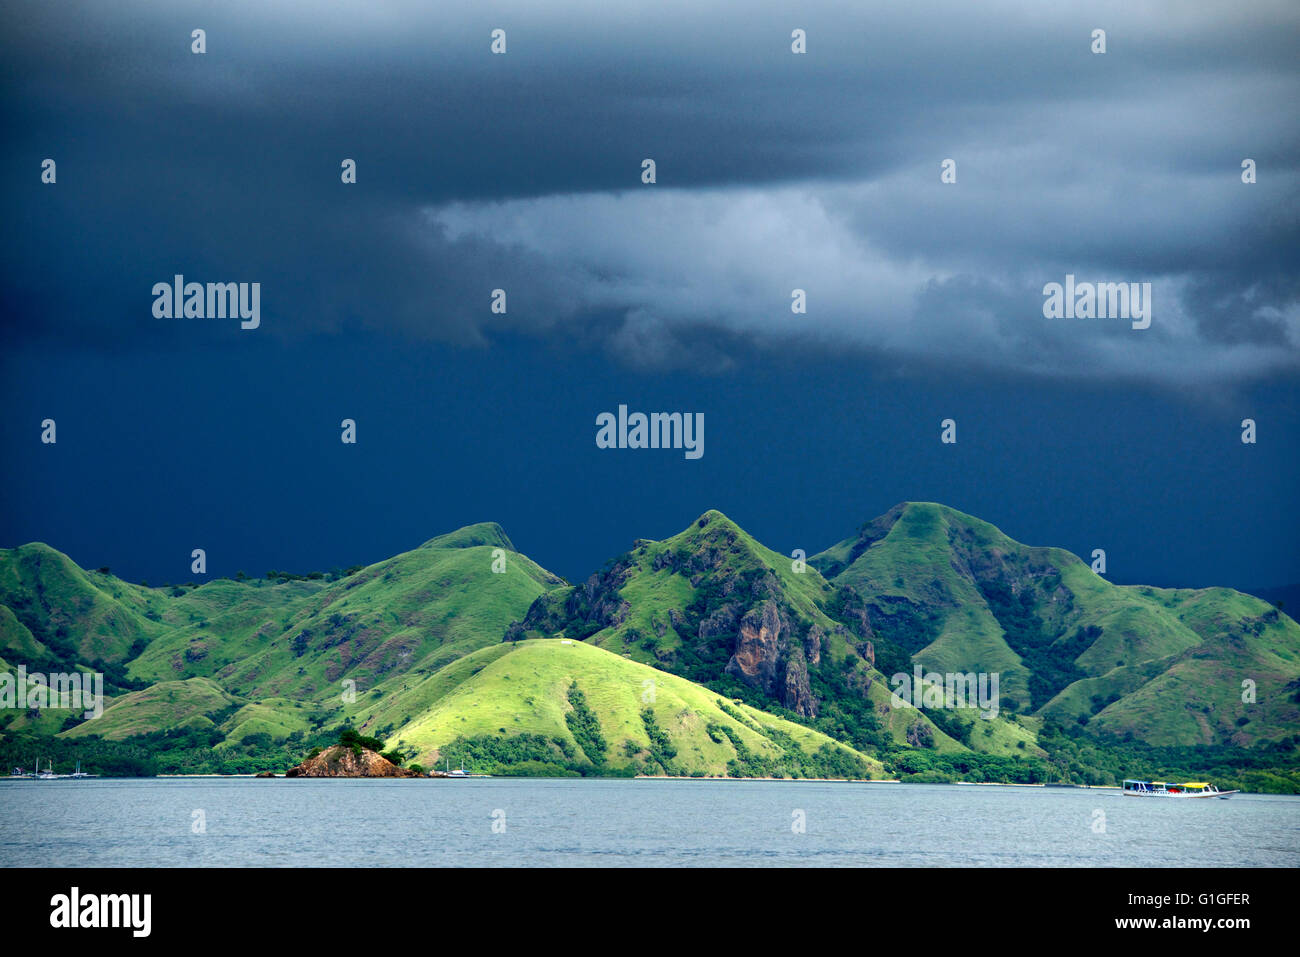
x=714, y=526
x=936, y=508
x=37, y=549
x=922, y=518
x=712, y=516
x=481, y=533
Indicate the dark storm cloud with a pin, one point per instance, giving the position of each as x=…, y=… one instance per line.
x=776, y=171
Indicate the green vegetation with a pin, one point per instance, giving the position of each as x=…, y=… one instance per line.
x=1076, y=757
x=582, y=709
x=1129, y=663
x=661, y=746
x=679, y=604
x=1051, y=665
x=703, y=654
x=585, y=727
x=352, y=738
x=188, y=750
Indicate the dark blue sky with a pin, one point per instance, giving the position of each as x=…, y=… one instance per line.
x=236, y=449
x=522, y=171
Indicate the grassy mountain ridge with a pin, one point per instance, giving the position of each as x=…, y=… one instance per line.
x=59, y=613
x=714, y=605
x=1161, y=665
x=304, y=638
x=760, y=665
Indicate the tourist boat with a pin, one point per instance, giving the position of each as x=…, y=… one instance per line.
x=1192, y=789
x=461, y=773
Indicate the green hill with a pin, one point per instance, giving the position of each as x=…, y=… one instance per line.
x=567, y=703
x=302, y=639
x=1157, y=665
x=463, y=648
x=168, y=704
x=715, y=606
x=55, y=615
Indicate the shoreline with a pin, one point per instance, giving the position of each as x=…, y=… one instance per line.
x=687, y=777
x=639, y=777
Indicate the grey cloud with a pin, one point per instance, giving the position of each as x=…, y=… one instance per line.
x=776, y=172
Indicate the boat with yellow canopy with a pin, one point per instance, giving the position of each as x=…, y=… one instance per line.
x=1190, y=789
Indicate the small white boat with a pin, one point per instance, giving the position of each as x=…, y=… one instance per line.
x=461, y=772
x=1191, y=789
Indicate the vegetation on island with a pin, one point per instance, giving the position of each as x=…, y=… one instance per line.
x=705, y=654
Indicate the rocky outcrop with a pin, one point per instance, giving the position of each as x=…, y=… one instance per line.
x=345, y=762
x=867, y=652
x=582, y=609
x=767, y=586
x=920, y=735
x=852, y=610
x=812, y=644
x=797, y=694
x=722, y=621
x=860, y=680
x=758, y=647
x=769, y=657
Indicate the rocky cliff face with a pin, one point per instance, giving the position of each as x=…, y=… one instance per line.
x=762, y=635
x=767, y=657
x=741, y=620
x=797, y=694
x=344, y=762
x=582, y=609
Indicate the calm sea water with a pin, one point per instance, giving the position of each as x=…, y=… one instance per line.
x=150, y=822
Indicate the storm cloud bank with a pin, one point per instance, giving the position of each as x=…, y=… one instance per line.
x=775, y=172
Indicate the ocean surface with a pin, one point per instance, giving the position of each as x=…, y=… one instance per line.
x=501, y=821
